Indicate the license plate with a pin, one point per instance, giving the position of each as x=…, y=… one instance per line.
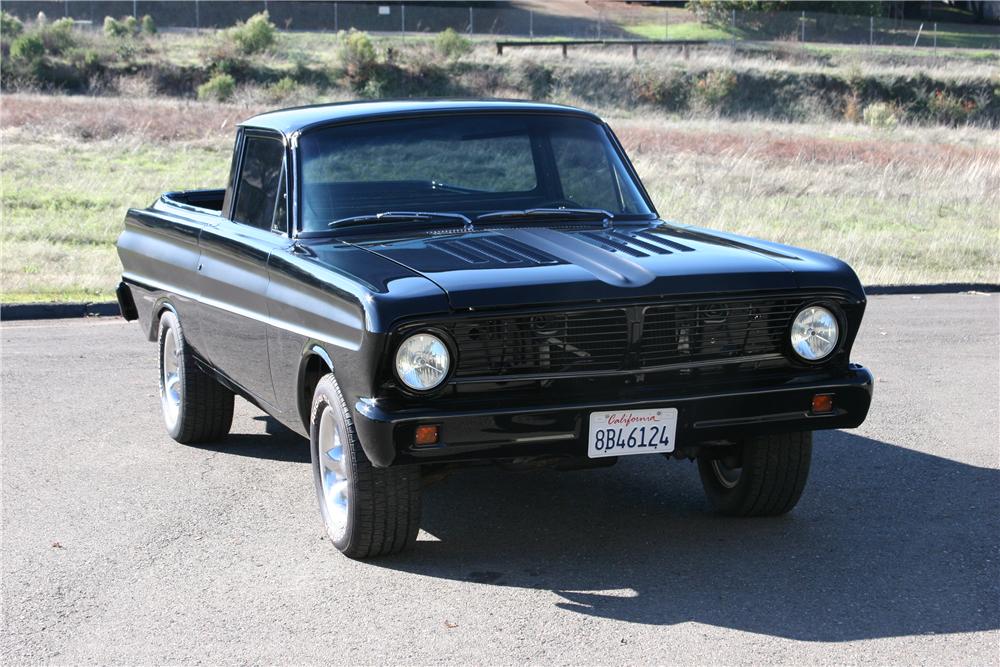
x=625, y=432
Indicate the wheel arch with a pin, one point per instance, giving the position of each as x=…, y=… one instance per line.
x=162, y=305
x=316, y=363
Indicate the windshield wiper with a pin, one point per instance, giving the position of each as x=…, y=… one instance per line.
x=579, y=213
x=399, y=216
x=458, y=189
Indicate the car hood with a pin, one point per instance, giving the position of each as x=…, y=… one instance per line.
x=520, y=265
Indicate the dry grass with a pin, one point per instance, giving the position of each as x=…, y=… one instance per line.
x=910, y=206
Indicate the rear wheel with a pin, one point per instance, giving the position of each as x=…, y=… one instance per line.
x=367, y=511
x=763, y=476
x=195, y=407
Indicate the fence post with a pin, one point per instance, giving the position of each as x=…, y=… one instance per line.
x=472, y=19
x=935, y=39
x=402, y=18
x=666, y=24
x=336, y=18
x=871, y=31
x=197, y=16
x=531, y=23
x=732, y=41
x=135, y=8
x=802, y=23
x=600, y=23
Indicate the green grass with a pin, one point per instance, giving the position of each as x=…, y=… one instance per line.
x=951, y=35
x=957, y=39
x=689, y=30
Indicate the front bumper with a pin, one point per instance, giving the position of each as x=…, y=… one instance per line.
x=510, y=431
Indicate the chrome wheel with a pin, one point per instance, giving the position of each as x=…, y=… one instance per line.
x=170, y=378
x=333, y=474
x=726, y=476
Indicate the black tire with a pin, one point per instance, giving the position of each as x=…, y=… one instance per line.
x=765, y=477
x=382, y=514
x=202, y=411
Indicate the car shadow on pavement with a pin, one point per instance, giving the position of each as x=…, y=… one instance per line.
x=277, y=443
x=886, y=542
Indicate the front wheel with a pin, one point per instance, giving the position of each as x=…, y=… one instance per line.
x=367, y=511
x=763, y=476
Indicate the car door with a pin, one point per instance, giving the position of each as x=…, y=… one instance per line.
x=233, y=271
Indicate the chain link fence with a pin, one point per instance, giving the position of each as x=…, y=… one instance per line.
x=595, y=19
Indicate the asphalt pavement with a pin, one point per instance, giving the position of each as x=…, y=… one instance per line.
x=121, y=546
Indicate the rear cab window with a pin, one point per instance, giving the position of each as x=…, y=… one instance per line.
x=260, y=183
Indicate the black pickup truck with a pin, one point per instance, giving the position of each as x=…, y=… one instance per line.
x=416, y=285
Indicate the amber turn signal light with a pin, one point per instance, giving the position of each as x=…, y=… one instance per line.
x=822, y=403
x=426, y=434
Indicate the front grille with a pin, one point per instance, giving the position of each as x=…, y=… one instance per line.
x=542, y=343
x=599, y=340
x=713, y=331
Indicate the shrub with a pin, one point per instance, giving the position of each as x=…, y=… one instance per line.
x=712, y=88
x=148, y=25
x=254, y=36
x=27, y=48
x=10, y=26
x=58, y=37
x=537, y=78
x=669, y=90
x=881, y=116
x=131, y=25
x=452, y=45
x=115, y=28
x=283, y=89
x=357, y=53
x=220, y=88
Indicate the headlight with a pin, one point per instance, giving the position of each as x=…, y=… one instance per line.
x=815, y=333
x=422, y=361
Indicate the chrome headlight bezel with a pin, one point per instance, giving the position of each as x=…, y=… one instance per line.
x=448, y=348
x=839, y=332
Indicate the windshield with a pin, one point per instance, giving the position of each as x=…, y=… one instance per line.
x=471, y=164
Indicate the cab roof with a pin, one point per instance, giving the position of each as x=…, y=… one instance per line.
x=298, y=119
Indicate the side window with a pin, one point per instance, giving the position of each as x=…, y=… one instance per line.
x=257, y=191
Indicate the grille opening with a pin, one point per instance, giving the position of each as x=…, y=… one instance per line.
x=554, y=343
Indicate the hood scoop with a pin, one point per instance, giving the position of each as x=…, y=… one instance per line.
x=613, y=268
x=636, y=244
x=491, y=249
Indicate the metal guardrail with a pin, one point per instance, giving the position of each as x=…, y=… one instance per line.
x=684, y=44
